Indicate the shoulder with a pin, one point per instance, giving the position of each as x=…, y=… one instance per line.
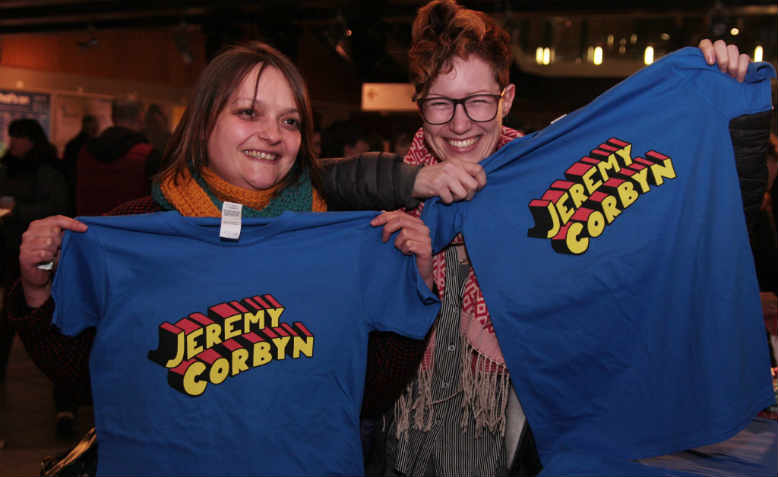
x=144, y=205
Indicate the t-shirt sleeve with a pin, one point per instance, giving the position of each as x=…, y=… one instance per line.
x=444, y=222
x=725, y=94
x=394, y=295
x=80, y=283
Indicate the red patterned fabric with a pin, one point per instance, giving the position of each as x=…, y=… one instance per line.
x=481, y=337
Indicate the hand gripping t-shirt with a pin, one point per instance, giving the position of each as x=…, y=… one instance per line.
x=247, y=357
x=613, y=256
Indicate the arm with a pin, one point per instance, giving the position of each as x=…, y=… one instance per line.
x=392, y=359
x=382, y=181
x=750, y=133
x=750, y=136
x=63, y=359
x=370, y=181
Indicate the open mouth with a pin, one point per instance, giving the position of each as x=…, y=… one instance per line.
x=265, y=156
x=462, y=143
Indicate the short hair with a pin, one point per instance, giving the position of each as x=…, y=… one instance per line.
x=28, y=128
x=188, y=145
x=125, y=110
x=444, y=29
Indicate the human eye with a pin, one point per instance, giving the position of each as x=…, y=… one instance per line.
x=246, y=113
x=438, y=103
x=480, y=100
x=292, y=123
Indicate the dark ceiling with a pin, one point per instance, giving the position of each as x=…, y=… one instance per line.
x=26, y=16
x=379, y=29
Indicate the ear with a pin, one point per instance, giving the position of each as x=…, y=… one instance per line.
x=507, y=99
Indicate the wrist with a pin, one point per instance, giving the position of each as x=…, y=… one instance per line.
x=36, y=296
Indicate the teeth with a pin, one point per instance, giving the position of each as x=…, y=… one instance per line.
x=261, y=155
x=462, y=142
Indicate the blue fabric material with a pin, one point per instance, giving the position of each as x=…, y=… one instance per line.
x=646, y=337
x=144, y=280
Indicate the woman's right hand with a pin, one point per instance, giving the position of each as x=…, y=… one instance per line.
x=451, y=180
x=41, y=244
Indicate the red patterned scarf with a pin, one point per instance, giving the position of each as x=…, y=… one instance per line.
x=484, y=375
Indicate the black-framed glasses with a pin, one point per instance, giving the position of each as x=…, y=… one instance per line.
x=478, y=107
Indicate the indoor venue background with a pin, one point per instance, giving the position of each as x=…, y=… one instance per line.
x=62, y=59
x=72, y=56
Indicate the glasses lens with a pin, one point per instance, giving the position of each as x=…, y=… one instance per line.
x=437, y=110
x=481, y=107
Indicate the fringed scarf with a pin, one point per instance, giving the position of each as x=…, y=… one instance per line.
x=484, y=376
x=202, y=195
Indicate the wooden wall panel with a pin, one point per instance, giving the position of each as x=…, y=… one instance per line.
x=141, y=55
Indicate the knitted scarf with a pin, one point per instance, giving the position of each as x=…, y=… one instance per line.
x=202, y=195
x=484, y=376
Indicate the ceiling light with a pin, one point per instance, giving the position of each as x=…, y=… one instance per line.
x=648, y=55
x=758, y=53
x=597, y=58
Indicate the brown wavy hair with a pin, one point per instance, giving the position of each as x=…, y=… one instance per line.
x=444, y=29
x=188, y=145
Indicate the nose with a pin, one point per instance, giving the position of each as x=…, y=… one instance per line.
x=460, y=122
x=269, y=130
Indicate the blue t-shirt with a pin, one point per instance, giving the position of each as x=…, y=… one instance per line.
x=216, y=357
x=613, y=256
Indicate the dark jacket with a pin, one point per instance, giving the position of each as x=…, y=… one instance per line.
x=39, y=190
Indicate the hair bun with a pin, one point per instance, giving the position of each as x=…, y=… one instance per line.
x=435, y=18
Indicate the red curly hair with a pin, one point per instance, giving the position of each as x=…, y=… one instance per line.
x=444, y=29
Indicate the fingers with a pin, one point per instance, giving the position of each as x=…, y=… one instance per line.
x=720, y=50
x=742, y=66
x=728, y=58
x=413, y=238
x=451, y=180
x=41, y=242
x=59, y=221
x=707, y=50
x=398, y=220
x=476, y=172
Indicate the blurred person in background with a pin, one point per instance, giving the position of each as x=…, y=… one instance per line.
x=32, y=188
x=89, y=130
x=345, y=138
x=117, y=165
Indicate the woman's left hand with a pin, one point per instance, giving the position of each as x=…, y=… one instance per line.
x=728, y=57
x=413, y=238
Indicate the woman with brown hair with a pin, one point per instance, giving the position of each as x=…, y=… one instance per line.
x=245, y=137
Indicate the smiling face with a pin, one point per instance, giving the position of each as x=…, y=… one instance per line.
x=461, y=137
x=257, y=136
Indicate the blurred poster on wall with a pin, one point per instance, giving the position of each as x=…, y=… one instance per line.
x=16, y=104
